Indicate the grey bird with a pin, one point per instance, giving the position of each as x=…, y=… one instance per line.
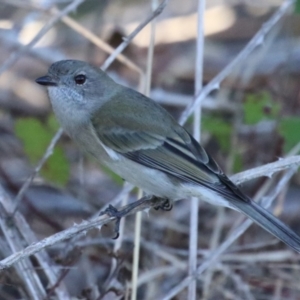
x=140, y=141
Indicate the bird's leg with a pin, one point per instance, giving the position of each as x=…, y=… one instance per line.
x=157, y=203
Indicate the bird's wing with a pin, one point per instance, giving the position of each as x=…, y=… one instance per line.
x=168, y=147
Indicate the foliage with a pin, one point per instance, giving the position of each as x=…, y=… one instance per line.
x=259, y=107
x=36, y=136
x=219, y=128
x=289, y=128
x=297, y=7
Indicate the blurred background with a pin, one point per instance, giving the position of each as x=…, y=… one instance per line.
x=251, y=120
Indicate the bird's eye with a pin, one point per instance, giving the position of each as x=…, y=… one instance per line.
x=80, y=79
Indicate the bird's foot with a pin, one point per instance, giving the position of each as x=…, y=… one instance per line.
x=164, y=204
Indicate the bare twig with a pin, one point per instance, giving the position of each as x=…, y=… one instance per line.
x=254, y=246
x=267, y=170
x=138, y=218
x=24, y=268
x=262, y=256
x=256, y=41
x=19, y=53
x=71, y=232
x=194, y=205
x=136, y=253
x=214, y=257
x=46, y=55
x=127, y=40
x=117, y=245
x=28, y=181
x=239, y=282
x=98, y=42
x=99, y=221
x=241, y=229
x=214, y=241
x=20, y=226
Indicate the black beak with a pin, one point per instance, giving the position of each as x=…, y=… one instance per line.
x=46, y=80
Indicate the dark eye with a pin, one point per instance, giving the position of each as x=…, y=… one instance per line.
x=80, y=79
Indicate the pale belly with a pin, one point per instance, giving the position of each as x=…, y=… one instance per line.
x=159, y=184
x=150, y=180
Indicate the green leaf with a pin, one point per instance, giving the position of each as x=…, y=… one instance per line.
x=289, y=128
x=238, y=163
x=36, y=137
x=219, y=128
x=52, y=123
x=258, y=107
x=297, y=7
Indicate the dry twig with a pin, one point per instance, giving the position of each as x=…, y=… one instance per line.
x=104, y=219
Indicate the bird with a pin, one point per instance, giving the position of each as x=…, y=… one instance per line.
x=140, y=141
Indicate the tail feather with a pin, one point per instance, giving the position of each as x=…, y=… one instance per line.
x=269, y=222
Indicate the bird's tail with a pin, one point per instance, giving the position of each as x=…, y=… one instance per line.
x=270, y=223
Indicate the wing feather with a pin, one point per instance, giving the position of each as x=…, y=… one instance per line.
x=168, y=147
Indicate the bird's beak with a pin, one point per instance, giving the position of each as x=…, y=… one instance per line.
x=46, y=80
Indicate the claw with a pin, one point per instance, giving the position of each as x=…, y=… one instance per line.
x=167, y=205
x=113, y=212
x=117, y=235
x=119, y=214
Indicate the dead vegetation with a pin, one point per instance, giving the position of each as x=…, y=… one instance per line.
x=54, y=245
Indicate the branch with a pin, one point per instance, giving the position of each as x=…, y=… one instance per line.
x=130, y=37
x=215, y=255
x=256, y=41
x=16, y=55
x=71, y=232
x=267, y=170
x=28, y=181
x=104, y=219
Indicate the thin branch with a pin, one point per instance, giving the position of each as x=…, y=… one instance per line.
x=46, y=55
x=24, y=268
x=28, y=181
x=48, y=266
x=117, y=246
x=130, y=37
x=138, y=217
x=240, y=230
x=98, y=42
x=136, y=253
x=256, y=41
x=21, y=228
x=16, y=55
x=73, y=231
x=82, y=31
x=261, y=256
x=194, y=205
x=267, y=170
x=214, y=241
x=99, y=221
x=239, y=282
x=214, y=257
